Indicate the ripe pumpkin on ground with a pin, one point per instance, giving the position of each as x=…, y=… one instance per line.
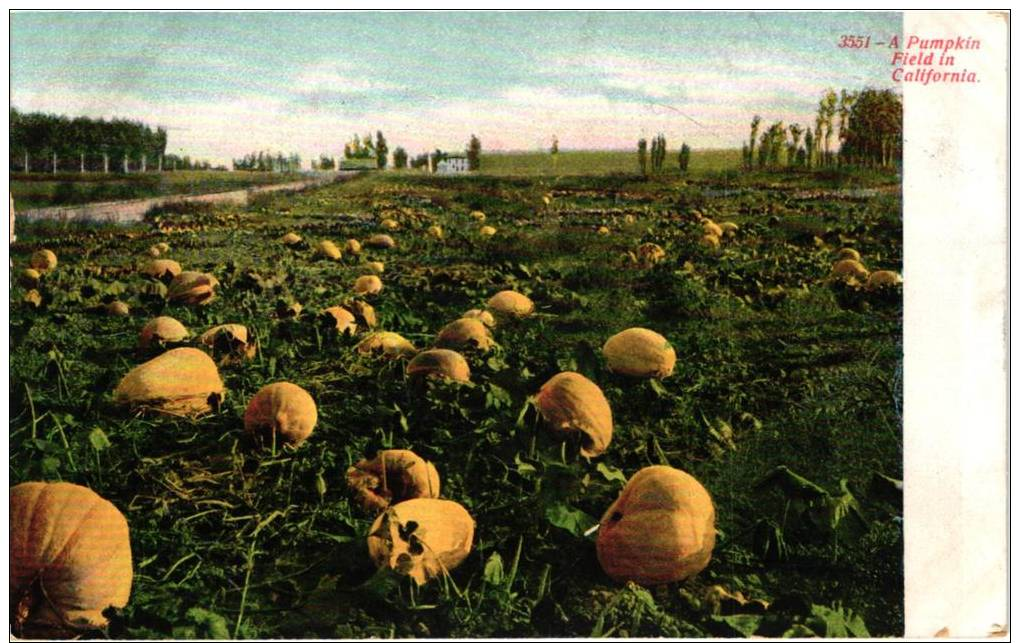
x=848, y=253
x=368, y=285
x=341, y=319
x=487, y=231
x=729, y=229
x=465, y=333
x=374, y=267
x=290, y=239
x=392, y=476
x=711, y=227
x=440, y=363
x=660, y=530
x=117, y=309
x=649, y=254
x=229, y=342
x=423, y=538
x=363, y=312
x=353, y=246
x=847, y=269
x=570, y=402
x=478, y=215
x=383, y=241
x=710, y=241
x=162, y=330
x=283, y=410
x=328, y=249
x=435, y=232
x=390, y=224
x=603, y=230
x=194, y=288
x=508, y=303
x=70, y=559
x=883, y=279
x=639, y=352
x=386, y=344
x=29, y=278
x=43, y=260
x=182, y=381
x=162, y=269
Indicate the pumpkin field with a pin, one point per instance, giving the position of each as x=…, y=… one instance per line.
x=408, y=405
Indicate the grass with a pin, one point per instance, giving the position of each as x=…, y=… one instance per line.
x=45, y=190
x=776, y=367
x=572, y=163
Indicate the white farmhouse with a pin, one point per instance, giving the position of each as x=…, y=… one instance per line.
x=456, y=164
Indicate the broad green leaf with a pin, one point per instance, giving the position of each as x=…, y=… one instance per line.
x=611, y=473
x=566, y=517
x=493, y=573
x=743, y=624
x=98, y=439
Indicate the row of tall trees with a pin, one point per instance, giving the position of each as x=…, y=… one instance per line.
x=869, y=124
x=42, y=142
x=658, y=155
x=365, y=148
x=267, y=161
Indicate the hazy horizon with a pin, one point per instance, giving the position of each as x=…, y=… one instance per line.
x=225, y=84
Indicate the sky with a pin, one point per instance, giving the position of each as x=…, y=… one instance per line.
x=224, y=84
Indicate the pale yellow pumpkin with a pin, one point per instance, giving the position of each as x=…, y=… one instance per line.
x=639, y=352
x=423, y=538
x=465, y=333
x=281, y=411
x=392, y=476
x=182, y=381
x=440, y=363
x=570, y=402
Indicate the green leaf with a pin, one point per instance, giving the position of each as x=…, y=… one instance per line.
x=611, y=473
x=837, y=622
x=50, y=467
x=566, y=517
x=493, y=573
x=98, y=439
x=523, y=468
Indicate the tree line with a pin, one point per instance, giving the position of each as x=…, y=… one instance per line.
x=869, y=125
x=267, y=161
x=658, y=155
x=41, y=142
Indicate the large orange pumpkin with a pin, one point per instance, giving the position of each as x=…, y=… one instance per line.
x=440, y=363
x=660, y=530
x=162, y=330
x=70, y=559
x=465, y=333
x=43, y=260
x=182, y=381
x=394, y=475
x=229, y=342
x=386, y=344
x=282, y=409
x=510, y=304
x=571, y=402
x=639, y=352
x=423, y=538
x=192, y=288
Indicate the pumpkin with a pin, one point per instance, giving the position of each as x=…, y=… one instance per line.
x=163, y=247
x=440, y=363
x=374, y=267
x=368, y=285
x=390, y=224
x=883, y=279
x=385, y=343
x=353, y=246
x=194, y=288
x=394, y=475
x=650, y=254
x=328, y=249
x=848, y=253
x=29, y=278
x=508, y=303
x=290, y=239
x=162, y=269
x=230, y=341
x=570, y=402
x=286, y=309
x=435, y=232
x=383, y=241
x=660, y=530
x=43, y=260
x=162, y=330
x=465, y=333
x=483, y=316
x=487, y=231
x=153, y=251
x=639, y=352
x=33, y=298
x=182, y=381
x=341, y=319
x=423, y=538
x=117, y=309
x=603, y=230
x=478, y=215
x=710, y=241
x=629, y=218
x=70, y=559
x=363, y=312
x=849, y=269
x=729, y=229
x=711, y=227
x=281, y=410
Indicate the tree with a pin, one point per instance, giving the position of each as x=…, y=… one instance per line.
x=827, y=110
x=381, y=150
x=874, y=129
x=399, y=158
x=791, y=149
x=685, y=156
x=755, y=123
x=658, y=153
x=642, y=155
x=474, y=154
x=846, y=103
x=809, y=146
